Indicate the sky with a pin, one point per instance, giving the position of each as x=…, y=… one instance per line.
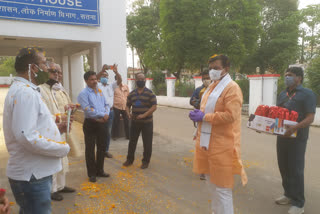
x=302, y=4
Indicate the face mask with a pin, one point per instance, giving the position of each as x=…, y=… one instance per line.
x=104, y=80
x=140, y=83
x=289, y=81
x=206, y=83
x=215, y=74
x=40, y=77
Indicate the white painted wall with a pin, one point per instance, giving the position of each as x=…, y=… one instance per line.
x=6, y=80
x=255, y=91
x=197, y=82
x=263, y=91
x=77, y=71
x=177, y=102
x=270, y=88
x=149, y=84
x=171, y=86
x=131, y=84
x=317, y=118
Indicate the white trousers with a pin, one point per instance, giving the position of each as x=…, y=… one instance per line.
x=59, y=179
x=221, y=201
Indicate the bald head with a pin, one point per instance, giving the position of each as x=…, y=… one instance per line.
x=60, y=74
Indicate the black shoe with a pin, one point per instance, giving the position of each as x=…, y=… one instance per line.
x=108, y=155
x=144, y=165
x=127, y=163
x=67, y=190
x=202, y=177
x=103, y=175
x=56, y=196
x=93, y=179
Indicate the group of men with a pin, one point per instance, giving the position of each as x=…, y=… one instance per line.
x=37, y=126
x=101, y=102
x=38, y=138
x=218, y=116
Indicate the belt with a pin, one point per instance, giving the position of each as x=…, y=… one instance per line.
x=91, y=120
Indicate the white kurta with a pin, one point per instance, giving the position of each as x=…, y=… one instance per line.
x=48, y=95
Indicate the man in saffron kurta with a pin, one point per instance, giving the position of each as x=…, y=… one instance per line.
x=220, y=161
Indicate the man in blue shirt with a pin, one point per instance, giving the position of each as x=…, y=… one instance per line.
x=291, y=151
x=96, y=112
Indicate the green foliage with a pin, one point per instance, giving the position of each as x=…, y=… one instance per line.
x=143, y=33
x=159, y=83
x=310, y=32
x=313, y=75
x=244, y=85
x=184, y=88
x=281, y=84
x=278, y=43
x=7, y=66
x=193, y=30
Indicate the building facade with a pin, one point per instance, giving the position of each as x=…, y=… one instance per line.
x=67, y=30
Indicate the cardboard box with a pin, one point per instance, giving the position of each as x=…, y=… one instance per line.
x=269, y=125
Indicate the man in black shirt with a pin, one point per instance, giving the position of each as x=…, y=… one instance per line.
x=143, y=103
x=291, y=151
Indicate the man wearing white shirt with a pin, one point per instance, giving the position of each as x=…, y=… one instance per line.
x=32, y=137
x=108, y=93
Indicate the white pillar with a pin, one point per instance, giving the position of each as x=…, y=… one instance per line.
x=171, y=87
x=65, y=72
x=197, y=81
x=270, y=89
x=93, y=61
x=149, y=83
x=77, y=71
x=131, y=84
x=263, y=90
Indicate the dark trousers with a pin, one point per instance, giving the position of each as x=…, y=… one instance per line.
x=94, y=133
x=291, y=161
x=147, y=135
x=116, y=123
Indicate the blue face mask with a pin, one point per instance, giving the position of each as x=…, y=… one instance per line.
x=104, y=80
x=289, y=81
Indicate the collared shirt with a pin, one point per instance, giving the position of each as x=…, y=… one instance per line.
x=301, y=100
x=93, y=103
x=108, y=92
x=31, y=135
x=120, y=97
x=141, y=103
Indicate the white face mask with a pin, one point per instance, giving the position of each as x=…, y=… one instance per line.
x=215, y=74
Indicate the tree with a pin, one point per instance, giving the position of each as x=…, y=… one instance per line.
x=143, y=30
x=192, y=30
x=278, y=41
x=313, y=74
x=7, y=66
x=235, y=28
x=310, y=32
